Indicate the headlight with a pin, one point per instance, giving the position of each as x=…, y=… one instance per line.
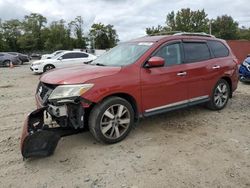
x=68, y=91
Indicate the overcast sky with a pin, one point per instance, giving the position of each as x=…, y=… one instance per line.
x=130, y=17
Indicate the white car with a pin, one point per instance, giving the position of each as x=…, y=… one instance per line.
x=64, y=59
x=49, y=56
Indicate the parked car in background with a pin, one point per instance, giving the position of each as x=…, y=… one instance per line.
x=24, y=58
x=49, y=56
x=139, y=78
x=244, y=70
x=6, y=59
x=35, y=56
x=63, y=59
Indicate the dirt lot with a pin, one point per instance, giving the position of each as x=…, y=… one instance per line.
x=187, y=148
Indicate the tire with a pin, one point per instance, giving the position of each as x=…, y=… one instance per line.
x=105, y=120
x=220, y=95
x=6, y=63
x=48, y=67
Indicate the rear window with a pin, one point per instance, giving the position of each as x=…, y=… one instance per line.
x=196, y=51
x=218, y=49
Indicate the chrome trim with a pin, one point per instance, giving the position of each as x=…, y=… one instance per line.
x=178, y=103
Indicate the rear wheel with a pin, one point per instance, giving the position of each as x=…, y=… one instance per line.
x=111, y=120
x=7, y=63
x=220, y=96
x=48, y=67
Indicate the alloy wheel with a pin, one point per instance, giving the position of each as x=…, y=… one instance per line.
x=221, y=95
x=115, y=121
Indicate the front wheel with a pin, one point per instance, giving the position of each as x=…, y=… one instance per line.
x=111, y=120
x=48, y=67
x=220, y=95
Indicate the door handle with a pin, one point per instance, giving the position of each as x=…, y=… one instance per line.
x=181, y=73
x=216, y=67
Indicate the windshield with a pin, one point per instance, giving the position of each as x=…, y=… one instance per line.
x=57, y=56
x=123, y=54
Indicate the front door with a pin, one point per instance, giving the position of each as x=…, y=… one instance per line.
x=165, y=88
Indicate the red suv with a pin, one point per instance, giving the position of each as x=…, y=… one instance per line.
x=139, y=78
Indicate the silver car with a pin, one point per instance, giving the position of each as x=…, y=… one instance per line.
x=6, y=59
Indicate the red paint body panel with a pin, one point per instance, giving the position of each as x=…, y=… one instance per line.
x=153, y=87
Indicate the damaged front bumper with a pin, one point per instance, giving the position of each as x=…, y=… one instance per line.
x=40, y=139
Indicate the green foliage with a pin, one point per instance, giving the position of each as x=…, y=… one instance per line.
x=34, y=34
x=225, y=27
x=187, y=20
x=103, y=36
x=159, y=29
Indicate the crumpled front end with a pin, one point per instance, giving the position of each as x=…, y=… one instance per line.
x=44, y=127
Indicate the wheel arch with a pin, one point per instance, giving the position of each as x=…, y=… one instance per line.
x=229, y=81
x=127, y=97
x=48, y=65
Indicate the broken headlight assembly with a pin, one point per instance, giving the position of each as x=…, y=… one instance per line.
x=63, y=92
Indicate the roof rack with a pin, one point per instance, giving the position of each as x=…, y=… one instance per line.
x=202, y=34
x=165, y=33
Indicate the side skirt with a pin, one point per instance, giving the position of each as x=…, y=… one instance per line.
x=175, y=107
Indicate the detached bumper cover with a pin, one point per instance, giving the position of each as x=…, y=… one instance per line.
x=38, y=139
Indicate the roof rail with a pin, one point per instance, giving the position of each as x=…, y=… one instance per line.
x=165, y=33
x=202, y=34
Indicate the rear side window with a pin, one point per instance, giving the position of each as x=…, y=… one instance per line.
x=69, y=56
x=82, y=55
x=196, y=51
x=218, y=49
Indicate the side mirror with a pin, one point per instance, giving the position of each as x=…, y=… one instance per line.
x=155, y=62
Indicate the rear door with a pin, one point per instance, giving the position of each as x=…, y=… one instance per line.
x=165, y=88
x=198, y=61
x=223, y=64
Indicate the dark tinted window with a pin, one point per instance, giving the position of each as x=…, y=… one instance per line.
x=171, y=53
x=1, y=54
x=74, y=55
x=196, y=51
x=69, y=56
x=218, y=49
x=82, y=55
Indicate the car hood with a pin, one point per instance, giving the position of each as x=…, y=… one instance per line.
x=77, y=74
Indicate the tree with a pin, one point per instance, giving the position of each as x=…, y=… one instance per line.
x=244, y=33
x=33, y=25
x=187, y=20
x=77, y=26
x=112, y=36
x=11, y=32
x=154, y=30
x=56, y=36
x=225, y=27
x=103, y=37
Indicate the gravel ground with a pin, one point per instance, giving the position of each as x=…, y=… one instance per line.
x=193, y=147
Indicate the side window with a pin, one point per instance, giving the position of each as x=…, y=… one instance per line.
x=171, y=53
x=82, y=55
x=69, y=56
x=218, y=49
x=196, y=51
